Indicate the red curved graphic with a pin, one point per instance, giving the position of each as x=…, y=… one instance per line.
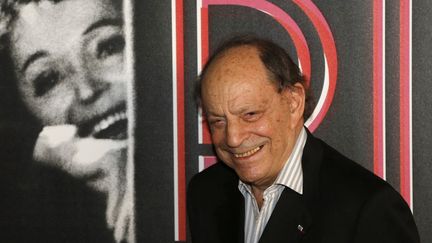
x=330, y=55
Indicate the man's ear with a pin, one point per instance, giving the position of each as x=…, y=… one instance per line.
x=296, y=96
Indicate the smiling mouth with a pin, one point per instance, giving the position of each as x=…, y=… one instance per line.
x=111, y=125
x=248, y=153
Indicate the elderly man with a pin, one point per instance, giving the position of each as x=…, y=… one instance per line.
x=277, y=182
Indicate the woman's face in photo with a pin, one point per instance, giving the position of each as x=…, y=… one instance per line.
x=69, y=62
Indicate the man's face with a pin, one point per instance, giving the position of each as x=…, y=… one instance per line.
x=253, y=127
x=69, y=62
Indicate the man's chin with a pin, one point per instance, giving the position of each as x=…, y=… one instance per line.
x=247, y=177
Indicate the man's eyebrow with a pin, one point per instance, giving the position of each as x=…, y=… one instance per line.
x=103, y=22
x=32, y=59
x=209, y=113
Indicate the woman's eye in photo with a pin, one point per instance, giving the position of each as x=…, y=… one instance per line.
x=45, y=81
x=110, y=46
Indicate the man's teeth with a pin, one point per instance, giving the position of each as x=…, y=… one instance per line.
x=109, y=120
x=247, y=153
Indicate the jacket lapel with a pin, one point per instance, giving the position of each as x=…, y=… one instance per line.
x=290, y=220
x=230, y=215
x=311, y=165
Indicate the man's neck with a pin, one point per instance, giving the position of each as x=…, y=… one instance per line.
x=258, y=194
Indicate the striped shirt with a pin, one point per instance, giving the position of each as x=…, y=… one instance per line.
x=290, y=176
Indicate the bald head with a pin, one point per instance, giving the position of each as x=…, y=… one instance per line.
x=281, y=71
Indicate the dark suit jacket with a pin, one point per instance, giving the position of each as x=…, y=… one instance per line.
x=341, y=203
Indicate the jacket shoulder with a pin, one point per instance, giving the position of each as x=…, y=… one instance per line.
x=341, y=173
x=213, y=177
x=354, y=199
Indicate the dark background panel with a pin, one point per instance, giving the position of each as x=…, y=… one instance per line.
x=153, y=134
x=422, y=115
x=348, y=124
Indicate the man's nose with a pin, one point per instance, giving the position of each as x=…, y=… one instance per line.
x=235, y=134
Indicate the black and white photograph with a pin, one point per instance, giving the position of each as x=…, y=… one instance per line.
x=65, y=175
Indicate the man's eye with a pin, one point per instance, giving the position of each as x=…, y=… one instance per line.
x=251, y=116
x=45, y=81
x=110, y=46
x=217, y=123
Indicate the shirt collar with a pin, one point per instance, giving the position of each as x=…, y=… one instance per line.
x=291, y=174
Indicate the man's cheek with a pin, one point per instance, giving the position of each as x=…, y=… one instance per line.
x=216, y=135
x=222, y=154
